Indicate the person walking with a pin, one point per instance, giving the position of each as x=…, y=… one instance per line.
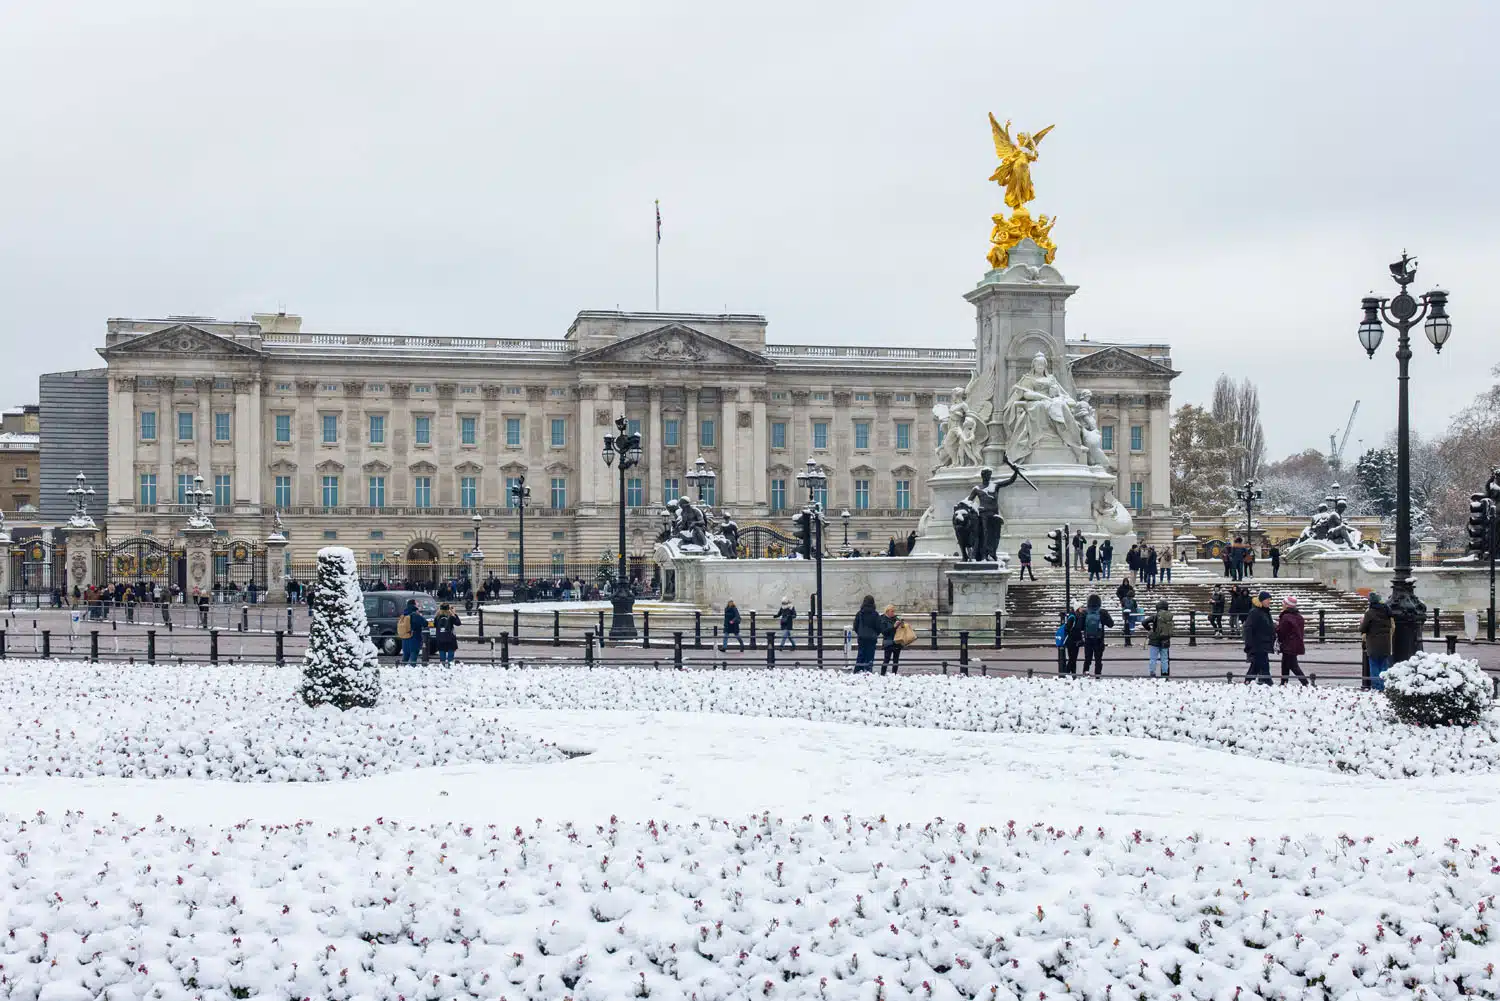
x=1091, y=560
x=1239, y=608
x=731, y=627
x=1216, y=611
x=1078, y=549
x=889, y=622
x=1106, y=556
x=1378, y=628
x=1291, y=635
x=890, y=547
x=786, y=618
x=1275, y=555
x=411, y=630
x=1249, y=561
x=1228, y=561
x=1237, y=560
x=1151, y=566
x=1133, y=561
x=1159, y=639
x=1072, y=640
x=911, y=542
x=1024, y=555
x=445, y=633
x=866, y=633
x=1260, y=639
x=1126, y=595
x=1166, y=564
x=1096, y=622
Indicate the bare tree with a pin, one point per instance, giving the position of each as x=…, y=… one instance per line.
x=1236, y=406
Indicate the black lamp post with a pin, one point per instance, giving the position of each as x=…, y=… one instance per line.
x=1404, y=312
x=626, y=445
x=844, y=517
x=1249, y=494
x=814, y=479
x=521, y=496
x=700, y=476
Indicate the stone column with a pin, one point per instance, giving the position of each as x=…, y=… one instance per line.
x=588, y=486
x=729, y=482
x=203, y=434
x=760, y=449
x=800, y=439
x=123, y=440
x=166, y=442
x=492, y=481
x=654, y=472
x=445, y=435
x=199, y=545
x=690, y=447
x=1122, y=451
x=255, y=425
x=1159, y=442
x=242, y=437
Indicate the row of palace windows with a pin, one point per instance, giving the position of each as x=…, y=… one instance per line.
x=330, y=432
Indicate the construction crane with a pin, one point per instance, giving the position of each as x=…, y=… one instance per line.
x=1336, y=445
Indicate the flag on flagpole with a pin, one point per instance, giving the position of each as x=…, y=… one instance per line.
x=658, y=220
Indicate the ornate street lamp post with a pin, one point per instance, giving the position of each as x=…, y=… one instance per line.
x=814, y=479
x=625, y=444
x=520, y=495
x=701, y=476
x=1248, y=495
x=844, y=517
x=1403, y=313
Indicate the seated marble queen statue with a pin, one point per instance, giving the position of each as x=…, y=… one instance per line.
x=1037, y=407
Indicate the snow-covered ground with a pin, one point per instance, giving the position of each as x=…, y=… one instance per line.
x=773, y=835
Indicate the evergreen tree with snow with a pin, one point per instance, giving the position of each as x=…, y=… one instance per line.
x=340, y=667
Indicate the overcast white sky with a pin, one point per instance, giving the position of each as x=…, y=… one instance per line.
x=1230, y=178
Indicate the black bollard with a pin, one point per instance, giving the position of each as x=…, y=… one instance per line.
x=46, y=644
x=932, y=630
x=588, y=648
x=999, y=628
x=280, y=647
x=963, y=650
x=1192, y=627
x=480, y=613
x=151, y=646
x=752, y=629
x=677, y=649
x=812, y=620
x=1452, y=643
x=504, y=648
x=427, y=650
x=645, y=628
x=945, y=667
x=770, y=649
x=557, y=627
x=697, y=630
x=290, y=630
x=2, y=644
x=1437, y=630
x=213, y=646
x=1125, y=626
x=94, y=645
x=601, y=627
x=515, y=624
x=1322, y=626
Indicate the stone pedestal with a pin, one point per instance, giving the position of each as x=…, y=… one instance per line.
x=1186, y=546
x=80, y=542
x=275, y=568
x=978, y=592
x=198, y=543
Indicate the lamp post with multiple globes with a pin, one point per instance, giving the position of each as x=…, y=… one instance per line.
x=624, y=445
x=814, y=479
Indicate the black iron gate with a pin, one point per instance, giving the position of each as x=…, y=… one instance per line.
x=237, y=565
x=140, y=563
x=764, y=542
x=36, y=566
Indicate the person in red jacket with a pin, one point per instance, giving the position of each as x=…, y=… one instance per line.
x=1290, y=631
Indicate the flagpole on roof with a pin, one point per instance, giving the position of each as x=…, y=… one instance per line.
x=658, y=255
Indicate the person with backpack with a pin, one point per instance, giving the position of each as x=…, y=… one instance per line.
x=889, y=623
x=731, y=627
x=1216, y=611
x=411, y=628
x=1378, y=629
x=1069, y=637
x=785, y=618
x=1260, y=639
x=866, y=633
x=1024, y=555
x=1290, y=634
x=1159, y=639
x=445, y=634
x=1096, y=620
x=1166, y=565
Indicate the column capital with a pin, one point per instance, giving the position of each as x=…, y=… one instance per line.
x=490, y=391
x=124, y=383
x=353, y=387
x=399, y=390
x=446, y=390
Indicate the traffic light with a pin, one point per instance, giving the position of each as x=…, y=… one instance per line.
x=804, y=533
x=1055, y=547
x=1481, y=517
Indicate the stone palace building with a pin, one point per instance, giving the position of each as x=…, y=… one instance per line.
x=389, y=444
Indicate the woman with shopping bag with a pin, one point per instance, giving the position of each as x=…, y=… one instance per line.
x=891, y=629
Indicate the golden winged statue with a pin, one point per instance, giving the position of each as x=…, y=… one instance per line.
x=1016, y=158
x=1014, y=174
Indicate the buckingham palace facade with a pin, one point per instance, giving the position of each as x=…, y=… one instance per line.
x=389, y=444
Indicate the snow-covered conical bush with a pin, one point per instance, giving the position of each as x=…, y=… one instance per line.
x=341, y=667
x=1438, y=689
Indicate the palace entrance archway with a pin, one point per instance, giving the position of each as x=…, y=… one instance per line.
x=422, y=562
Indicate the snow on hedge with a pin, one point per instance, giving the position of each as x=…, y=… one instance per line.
x=340, y=666
x=1438, y=689
x=836, y=908
x=238, y=723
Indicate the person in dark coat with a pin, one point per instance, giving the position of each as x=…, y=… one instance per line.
x=890, y=547
x=731, y=627
x=1072, y=641
x=787, y=617
x=1151, y=565
x=1106, y=557
x=1091, y=559
x=1378, y=629
x=1275, y=562
x=1260, y=639
x=891, y=650
x=866, y=633
x=411, y=643
x=1216, y=603
x=445, y=634
x=1239, y=608
x=1290, y=634
x=1078, y=549
x=1126, y=595
x=1133, y=560
x=1024, y=555
x=1096, y=623
x=911, y=542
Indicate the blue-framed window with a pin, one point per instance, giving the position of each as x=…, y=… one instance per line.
x=559, y=492
x=221, y=427
x=778, y=434
x=421, y=491
x=184, y=484
x=671, y=489
x=422, y=430
x=511, y=482
x=820, y=435
x=148, y=489
x=283, y=491
x=184, y=425
x=468, y=492
x=1137, y=437
x=669, y=432
x=377, y=491
x=903, y=495
x=903, y=436
x=1107, y=434
x=861, y=494
x=283, y=428
x=330, y=491
x=778, y=495
x=377, y=429
x=1137, y=494
x=862, y=435
x=330, y=429
x=468, y=430
x=222, y=491
x=634, y=494
x=148, y=425
x=706, y=433
x=513, y=432
x=559, y=432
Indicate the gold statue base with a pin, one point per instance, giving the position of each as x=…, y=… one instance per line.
x=1020, y=226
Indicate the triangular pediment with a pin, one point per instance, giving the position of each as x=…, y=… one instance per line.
x=180, y=339
x=1119, y=361
x=673, y=344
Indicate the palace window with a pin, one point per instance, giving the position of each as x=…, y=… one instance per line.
x=284, y=387
x=330, y=534
x=421, y=491
x=862, y=435
x=710, y=492
x=283, y=428
x=861, y=495
x=148, y=425
x=778, y=495
x=377, y=533
x=903, y=397
x=330, y=387
x=283, y=491
x=148, y=489
x=469, y=390
x=468, y=492
x=468, y=430
x=559, y=492
x=221, y=427
x=820, y=497
x=778, y=434
x=377, y=491
x=422, y=430
x=513, y=563
x=1137, y=494
x=513, y=390
x=670, y=490
x=559, y=432
x=669, y=433
x=861, y=397
x=185, y=425
x=421, y=387
x=184, y=485
x=375, y=387
x=221, y=490
x=820, y=397
x=511, y=482
x=559, y=563
x=903, y=495
x=903, y=436
x=633, y=425
x=778, y=394
x=557, y=393
x=330, y=491
x=330, y=429
x=633, y=493
x=513, y=432
x=1107, y=437
x=1137, y=437
x=706, y=433
x=377, y=429
x=820, y=435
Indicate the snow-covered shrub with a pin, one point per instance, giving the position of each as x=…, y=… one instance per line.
x=341, y=666
x=1438, y=689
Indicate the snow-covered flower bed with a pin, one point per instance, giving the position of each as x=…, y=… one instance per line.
x=837, y=908
x=1438, y=689
x=237, y=723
